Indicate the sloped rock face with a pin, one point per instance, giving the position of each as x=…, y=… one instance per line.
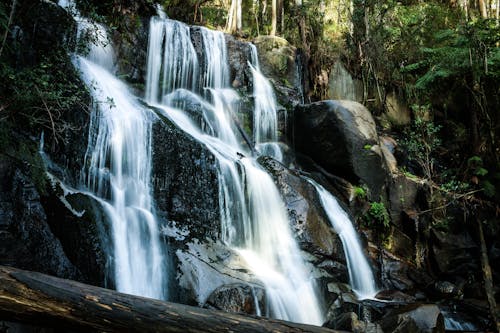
x=26, y=240
x=341, y=137
x=185, y=183
x=307, y=218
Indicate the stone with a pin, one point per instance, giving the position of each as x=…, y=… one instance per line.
x=454, y=254
x=341, y=137
x=446, y=289
x=394, y=296
x=308, y=220
x=238, y=298
x=396, y=110
x=26, y=239
x=425, y=318
x=193, y=202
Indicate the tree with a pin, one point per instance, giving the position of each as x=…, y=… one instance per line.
x=234, y=20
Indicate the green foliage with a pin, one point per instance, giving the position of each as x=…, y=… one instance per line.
x=422, y=140
x=359, y=192
x=38, y=96
x=378, y=216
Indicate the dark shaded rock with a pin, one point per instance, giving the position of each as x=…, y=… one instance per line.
x=81, y=225
x=26, y=240
x=454, y=254
x=237, y=298
x=185, y=182
x=43, y=27
x=308, y=219
x=394, y=296
x=341, y=137
x=446, y=289
x=131, y=47
x=426, y=318
x=239, y=56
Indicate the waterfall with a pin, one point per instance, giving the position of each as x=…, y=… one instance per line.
x=360, y=274
x=117, y=171
x=265, y=115
x=179, y=69
x=254, y=221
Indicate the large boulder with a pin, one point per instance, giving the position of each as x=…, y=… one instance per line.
x=239, y=298
x=426, y=318
x=342, y=138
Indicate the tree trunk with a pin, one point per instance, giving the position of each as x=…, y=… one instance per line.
x=11, y=18
x=43, y=300
x=274, y=17
x=488, y=278
x=483, y=9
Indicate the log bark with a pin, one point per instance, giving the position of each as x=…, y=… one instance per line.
x=43, y=300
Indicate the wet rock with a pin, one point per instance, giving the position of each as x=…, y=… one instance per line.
x=205, y=267
x=26, y=240
x=425, y=318
x=394, y=296
x=445, y=289
x=277, y=60
x=237, y=298
x=341, y=137
x=239, y=56
x=190, y=201
x=307, y=218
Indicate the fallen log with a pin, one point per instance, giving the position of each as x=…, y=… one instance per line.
x=35, y=298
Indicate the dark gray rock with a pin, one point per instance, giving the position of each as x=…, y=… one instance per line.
x=454, y=254
x=238, y=298
x=341, y=137
x=185, y=182
x=26, y=240
x=426, y=318
x=307, y=217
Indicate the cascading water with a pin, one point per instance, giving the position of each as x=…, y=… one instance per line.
x=265, y=114
x=254, y=220
x=360, y=274
x=117, y=172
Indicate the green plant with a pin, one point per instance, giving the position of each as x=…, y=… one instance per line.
x=377, y=214
x=359, y=192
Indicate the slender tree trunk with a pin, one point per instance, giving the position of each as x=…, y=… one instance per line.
x=11, y=18
x=274, y=17
x=488, y=278
x=483, y=9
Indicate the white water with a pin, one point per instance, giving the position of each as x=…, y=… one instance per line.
x=254, y=220
x=360, y=274
x=265, y=115
x=117, y=170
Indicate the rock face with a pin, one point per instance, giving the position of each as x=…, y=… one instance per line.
x=185, y=182
x=341, y=137
x=278, y=62
x=26, y=240
x=308, y=220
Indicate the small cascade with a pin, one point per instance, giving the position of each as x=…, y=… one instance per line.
x=117, y=170
x=254, y=221
x=360, y=274
x=174, y=70
x=265, y=114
